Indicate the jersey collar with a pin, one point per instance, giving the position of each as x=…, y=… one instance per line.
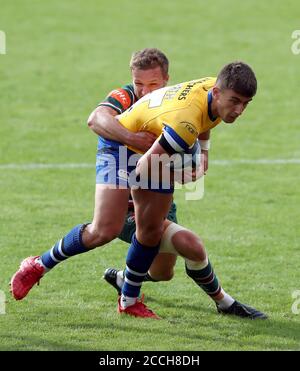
x=209, y=100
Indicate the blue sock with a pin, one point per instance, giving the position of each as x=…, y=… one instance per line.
x=138, y=261
x=68, y=246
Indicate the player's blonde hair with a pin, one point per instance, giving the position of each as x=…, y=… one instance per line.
x=149, y=58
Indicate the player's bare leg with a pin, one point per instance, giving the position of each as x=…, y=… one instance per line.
x=109, y=215
x=180, y=241
x=199, y=268
x=151, y=208
x=162, y=267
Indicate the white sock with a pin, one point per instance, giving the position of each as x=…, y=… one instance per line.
x=39, y=261
x=226, y=302
x=120, y=279
x=127, y=301
x=196, y=265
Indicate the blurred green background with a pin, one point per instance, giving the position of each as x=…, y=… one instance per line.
x=63, y=58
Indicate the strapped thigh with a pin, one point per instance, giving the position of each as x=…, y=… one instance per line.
x=166, y=244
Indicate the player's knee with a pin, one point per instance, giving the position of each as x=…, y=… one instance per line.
x=151, y=233
x=198, y=250
x=162, y=275
x=189, y=245
x=167, y=276
x=108, y=234
x=104, y=234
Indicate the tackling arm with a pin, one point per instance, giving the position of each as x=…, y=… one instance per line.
x=104, y=123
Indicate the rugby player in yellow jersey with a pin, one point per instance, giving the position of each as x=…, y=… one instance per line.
x=177, y=115
x=176, y=240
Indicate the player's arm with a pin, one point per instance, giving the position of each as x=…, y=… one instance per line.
x=147, y=165
x=168, y=144
x=205, y=144
x=103, y=122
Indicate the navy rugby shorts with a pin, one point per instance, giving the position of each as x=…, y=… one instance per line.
x=115, y=166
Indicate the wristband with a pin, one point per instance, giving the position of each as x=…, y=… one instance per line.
x=204, y=144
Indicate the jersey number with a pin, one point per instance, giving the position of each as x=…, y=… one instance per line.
x=155, y=98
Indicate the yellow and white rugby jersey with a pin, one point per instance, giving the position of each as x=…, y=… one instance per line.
x=180, y=112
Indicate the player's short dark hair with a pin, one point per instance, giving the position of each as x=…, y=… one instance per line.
x=148, y=58
x=239, y=77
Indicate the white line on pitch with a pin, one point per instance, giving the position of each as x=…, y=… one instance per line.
x=260, y=161
x=44, y=166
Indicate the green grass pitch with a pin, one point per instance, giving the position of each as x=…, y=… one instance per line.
x=61, y=59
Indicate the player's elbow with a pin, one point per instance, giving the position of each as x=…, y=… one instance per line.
x=94, y=124
x=91, y=120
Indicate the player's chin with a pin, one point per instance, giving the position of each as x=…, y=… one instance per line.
x=229, y=119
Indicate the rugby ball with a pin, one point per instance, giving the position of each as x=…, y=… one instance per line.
x=188, y=159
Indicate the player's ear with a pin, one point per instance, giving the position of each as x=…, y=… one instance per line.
x=166, y=78
x=216, y=92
